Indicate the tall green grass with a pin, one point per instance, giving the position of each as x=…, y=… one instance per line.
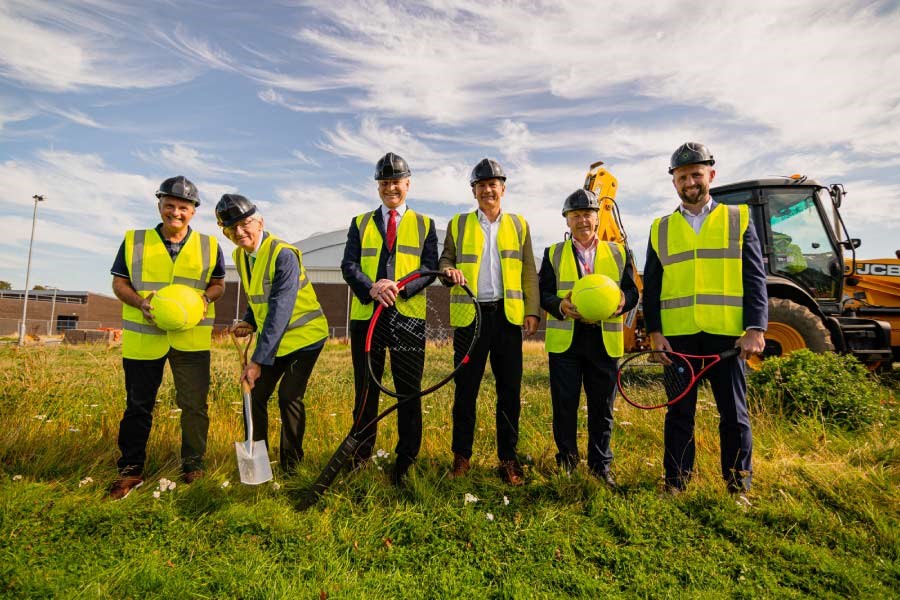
x=824, y=520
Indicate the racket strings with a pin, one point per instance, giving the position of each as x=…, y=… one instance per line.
x=646, y=381
x=416, y=354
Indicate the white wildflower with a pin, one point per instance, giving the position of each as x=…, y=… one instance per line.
x=505, y=501
x=171, y=486
x=17, y=477
x=74, y=429
x=276, y=486
x=489, y=516
x=85, y=481
x=156, y=494
x=333, y=415
x=624, y=423
x=382, y=453
x=163, y=483
x=40, y=417
x=225, y=484
x=469, y=498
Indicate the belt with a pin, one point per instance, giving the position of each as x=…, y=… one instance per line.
x=491, y=306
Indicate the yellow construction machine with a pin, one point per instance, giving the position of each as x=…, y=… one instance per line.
x=819, y=297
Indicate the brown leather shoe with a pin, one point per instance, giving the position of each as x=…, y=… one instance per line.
x=124, y=485
x=511, y=472
x=461, y=466
x=192, y=476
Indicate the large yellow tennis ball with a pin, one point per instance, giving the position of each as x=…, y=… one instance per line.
x=596, y=296
x=176, y=307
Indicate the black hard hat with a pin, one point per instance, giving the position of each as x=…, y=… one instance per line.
x=581, y=199
x=179, y=187
x=691, y=153
x=486, y=169
x=391, y=166
x=233, y=208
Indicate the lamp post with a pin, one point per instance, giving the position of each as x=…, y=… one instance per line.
x=37, y=198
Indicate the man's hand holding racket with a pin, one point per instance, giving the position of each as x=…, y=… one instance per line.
x=385, y=292
x=752, y=342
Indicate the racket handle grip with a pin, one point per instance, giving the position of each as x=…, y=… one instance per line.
x=340, y=458
x=730, y=353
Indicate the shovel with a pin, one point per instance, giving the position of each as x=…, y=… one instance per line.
x=252, y=456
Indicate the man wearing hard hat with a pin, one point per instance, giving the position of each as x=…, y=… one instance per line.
x=382, y=247
x=148, y=260
x=284, y=309
x=584, y=352
x=490, y=251
x=704, y=293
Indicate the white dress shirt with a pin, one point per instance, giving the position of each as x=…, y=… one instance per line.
x=586, y=255
x=696, y=221
x=490, y=276
x=386, y=215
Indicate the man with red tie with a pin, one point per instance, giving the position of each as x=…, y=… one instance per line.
x=382, y=247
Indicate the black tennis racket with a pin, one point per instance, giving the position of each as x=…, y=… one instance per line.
x=408, y=358
x=657, y=378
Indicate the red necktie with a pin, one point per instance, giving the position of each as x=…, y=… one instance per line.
x=391, y=229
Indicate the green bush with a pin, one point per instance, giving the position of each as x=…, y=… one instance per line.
x=834, y=388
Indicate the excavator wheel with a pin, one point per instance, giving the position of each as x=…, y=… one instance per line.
x=791, y=327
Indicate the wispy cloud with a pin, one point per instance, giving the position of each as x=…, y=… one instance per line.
x=68, y=46
x=270, y=96
x=189, y=160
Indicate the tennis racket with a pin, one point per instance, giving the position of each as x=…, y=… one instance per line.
x=408, y=358
x=647, y=382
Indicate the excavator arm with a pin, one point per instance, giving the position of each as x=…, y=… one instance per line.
x=610, y=229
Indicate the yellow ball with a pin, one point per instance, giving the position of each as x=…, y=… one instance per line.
x=176, y=307
x=596, y=297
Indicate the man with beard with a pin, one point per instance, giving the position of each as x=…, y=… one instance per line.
x=705, y=292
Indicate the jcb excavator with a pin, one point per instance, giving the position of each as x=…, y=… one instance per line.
x=819, y=298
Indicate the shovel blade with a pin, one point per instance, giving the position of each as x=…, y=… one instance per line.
x=253, y=462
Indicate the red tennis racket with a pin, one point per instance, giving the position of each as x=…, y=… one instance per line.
x=408, y=358
x=657, y=378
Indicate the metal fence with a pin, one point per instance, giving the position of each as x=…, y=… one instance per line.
x=38, y=327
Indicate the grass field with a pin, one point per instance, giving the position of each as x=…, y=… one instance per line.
x=825, y=519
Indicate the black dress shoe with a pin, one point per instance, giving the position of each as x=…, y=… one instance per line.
x=400, y=472
x=605, y=476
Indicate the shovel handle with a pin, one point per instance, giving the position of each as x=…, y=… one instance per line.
x=340, y=458
x=242, y=349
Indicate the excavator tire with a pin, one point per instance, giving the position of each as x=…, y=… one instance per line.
x=792, y=327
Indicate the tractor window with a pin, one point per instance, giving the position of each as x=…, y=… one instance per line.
x=799, y=237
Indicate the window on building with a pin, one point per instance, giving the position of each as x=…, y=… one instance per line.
x=64, y=322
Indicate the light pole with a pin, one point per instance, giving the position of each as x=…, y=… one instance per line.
x=37, y=198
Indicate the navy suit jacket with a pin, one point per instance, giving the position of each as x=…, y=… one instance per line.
x=756, y=301
x=360, y=283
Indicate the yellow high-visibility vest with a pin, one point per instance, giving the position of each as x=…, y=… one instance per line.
x=702, y=284
x=411, y=233
x=150, y=269
x=308, y=324
x=469, y=244
x=609, y=260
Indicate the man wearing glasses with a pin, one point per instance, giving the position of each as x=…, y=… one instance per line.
x=283, y=307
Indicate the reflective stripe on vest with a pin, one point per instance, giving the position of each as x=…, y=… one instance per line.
x=308, y=324
x=406, y=258
x=609, y=260
x=469, y=238
x=702, y=285
x=150, y=269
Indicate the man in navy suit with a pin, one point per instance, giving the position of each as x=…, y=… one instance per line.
x=382, y=247
x=705, y=292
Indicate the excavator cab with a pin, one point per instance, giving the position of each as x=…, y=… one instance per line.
x=803, y=241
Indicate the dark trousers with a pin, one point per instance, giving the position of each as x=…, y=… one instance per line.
x=293, y=370
x=585, y=363
x=729, y=388
x=190, y=371
x=365, y=404
x=503, y=342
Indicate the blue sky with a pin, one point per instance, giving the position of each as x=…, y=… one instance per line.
x=292, y=103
